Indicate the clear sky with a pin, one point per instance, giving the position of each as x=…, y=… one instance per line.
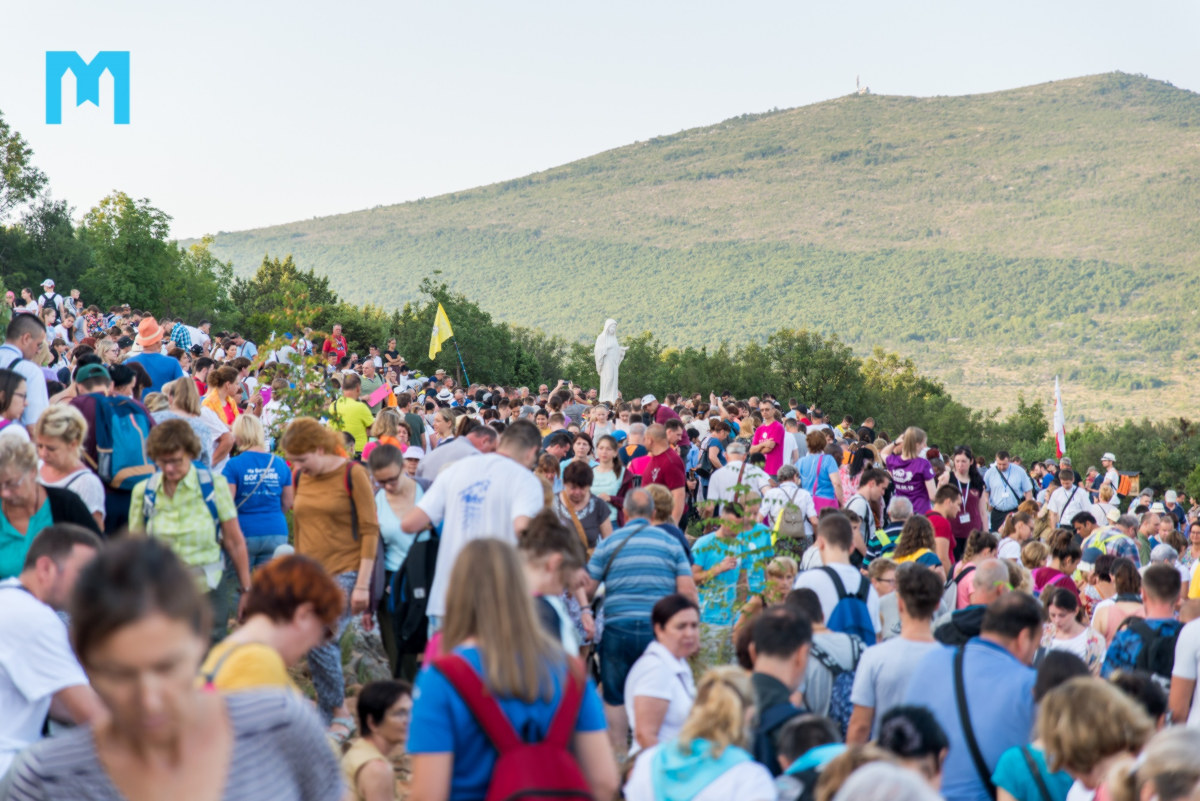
x=258, y=112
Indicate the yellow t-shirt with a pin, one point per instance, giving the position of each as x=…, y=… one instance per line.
x=248, y=666
x=355, y=759
x=356, y=419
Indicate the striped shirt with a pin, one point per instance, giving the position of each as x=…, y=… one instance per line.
x=643, y=572
x=279, y=752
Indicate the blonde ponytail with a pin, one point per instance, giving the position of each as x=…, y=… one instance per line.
x=719, y=712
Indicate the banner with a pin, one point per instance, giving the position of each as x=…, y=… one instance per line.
x=441, y=332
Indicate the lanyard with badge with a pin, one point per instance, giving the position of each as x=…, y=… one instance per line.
x=965, y=491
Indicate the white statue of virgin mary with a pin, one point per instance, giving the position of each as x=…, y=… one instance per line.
x=609, y=354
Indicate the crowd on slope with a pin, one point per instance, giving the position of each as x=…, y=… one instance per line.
x=672, y=599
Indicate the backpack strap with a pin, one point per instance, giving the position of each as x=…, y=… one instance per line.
x=210, y=676
x=209, y=492
x=150, y=497
x=837, y=582
x=483, y=705
x=1036, y=772
x=775, y=716
x=964, y=718
x=826, y=659
x=966, y=571
x=562, y=726
x=353, y=506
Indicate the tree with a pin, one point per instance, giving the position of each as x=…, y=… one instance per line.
x=279, y=287
x=132, y=258
x=20, y=181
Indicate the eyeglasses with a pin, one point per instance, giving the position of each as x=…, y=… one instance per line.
x=9, y=486
x=19, y=395
x=387, y=482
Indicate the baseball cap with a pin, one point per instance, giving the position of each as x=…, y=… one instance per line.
x=415, y=452
x=90, y=371
x=48, y=282
x=1170, y=496
x=1108, y=457
x=124, y=342
x=648, y=399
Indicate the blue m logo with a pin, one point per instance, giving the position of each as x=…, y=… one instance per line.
x=87, y=81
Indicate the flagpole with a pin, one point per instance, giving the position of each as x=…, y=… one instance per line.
x=466, y=378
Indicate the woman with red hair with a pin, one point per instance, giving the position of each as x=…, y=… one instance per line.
x=292, y=607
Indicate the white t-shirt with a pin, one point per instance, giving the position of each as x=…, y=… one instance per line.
x=475, y=498
x=747, y=781
x=776, y=499
x=722, y=481
x=36, y=661
x=1079, y=501
x=84, y=483
x=819, y=582
x=1187, y=665
x=660, y=674
x=1009, y=549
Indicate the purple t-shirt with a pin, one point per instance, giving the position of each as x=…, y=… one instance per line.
x=909, y=477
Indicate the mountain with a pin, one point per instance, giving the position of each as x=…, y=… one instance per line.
x=997, y=239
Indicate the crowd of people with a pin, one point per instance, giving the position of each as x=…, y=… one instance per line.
x=672, y=599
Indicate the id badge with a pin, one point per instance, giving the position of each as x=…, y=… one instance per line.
x=964, y=519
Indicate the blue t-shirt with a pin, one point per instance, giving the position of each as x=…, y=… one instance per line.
x=161, y=369
x=442, y=723
x=259, y=505
x=999, y=691
x=643, y=573
x=718, y=595
x=1012, y=775
x=1126, y=646
x=808, y=474
x=396, y=543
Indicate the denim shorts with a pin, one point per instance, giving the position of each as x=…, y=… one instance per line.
x=623, y=643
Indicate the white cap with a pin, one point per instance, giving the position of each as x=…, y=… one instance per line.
x=1170, y=496
x=1108, y=457
x=1157, y=508
x=648, y=399
x=48, y=282
x=415, y=452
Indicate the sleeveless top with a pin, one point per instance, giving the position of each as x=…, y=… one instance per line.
x=355, y=759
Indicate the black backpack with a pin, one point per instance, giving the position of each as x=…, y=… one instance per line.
x=1157, y=654
x=408, y=594
x=770, y=720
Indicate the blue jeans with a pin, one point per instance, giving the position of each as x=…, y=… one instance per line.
x=623, y=643
x=261, y=550
x=325, y=661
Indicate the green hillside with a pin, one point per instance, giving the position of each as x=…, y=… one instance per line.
x=998, y=239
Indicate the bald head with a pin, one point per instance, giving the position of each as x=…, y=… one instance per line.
x=989, y=581
x=656, y=433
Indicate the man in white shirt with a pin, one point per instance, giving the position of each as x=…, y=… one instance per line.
x=39, y=674
x=1111, y=477
x=1068, y=500
x=22, y=339
x=789, y=493
x=722, y=482
x=490, y=495
x=835, y=538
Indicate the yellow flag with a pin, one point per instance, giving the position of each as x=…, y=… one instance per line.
x=441, y=332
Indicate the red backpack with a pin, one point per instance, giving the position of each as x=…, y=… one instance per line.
x=545, y=771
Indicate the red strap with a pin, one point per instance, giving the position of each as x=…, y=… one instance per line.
x=483, y=705
x=562, y=727
x=491, y=717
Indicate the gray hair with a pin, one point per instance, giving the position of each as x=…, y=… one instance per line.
x=900, y=508
x=17, y=455
x=637, y=428
x=736, y=447
x=988, y=574
x=639, y=503
x=880, y=781
x=1127, y=521
x=787, y=473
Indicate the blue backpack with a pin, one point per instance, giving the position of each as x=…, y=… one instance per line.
x=850, y=616
x=840, y=705
x=122, y=426
x=150, y=497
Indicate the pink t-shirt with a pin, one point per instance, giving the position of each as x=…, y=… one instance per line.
x=774, y=432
